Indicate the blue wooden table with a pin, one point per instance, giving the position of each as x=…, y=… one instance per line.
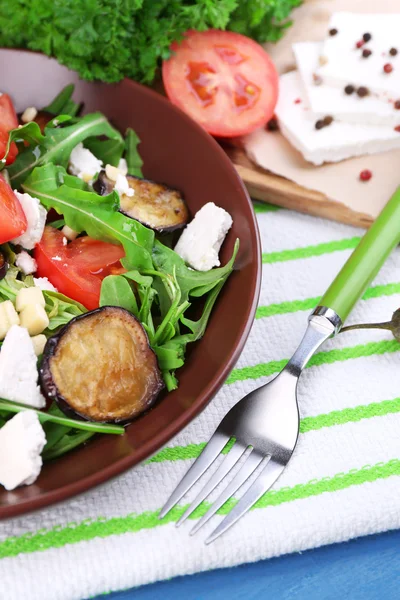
x=364, y=569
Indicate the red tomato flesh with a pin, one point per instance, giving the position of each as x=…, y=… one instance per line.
x=223, y=80
x=12, y=217
x=77, y=269
x=8, y=121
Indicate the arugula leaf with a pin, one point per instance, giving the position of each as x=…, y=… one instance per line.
x=60, y=309
x=195, y=283
x=97, y=215
x=132, y=155
x=109, y=151
x=56, y=145
x=116, y=291
x=63, y=103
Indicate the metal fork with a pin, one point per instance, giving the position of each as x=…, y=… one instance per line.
x=264, y=425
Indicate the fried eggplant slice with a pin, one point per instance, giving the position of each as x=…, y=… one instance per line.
x=153, y=204
x=100, y=367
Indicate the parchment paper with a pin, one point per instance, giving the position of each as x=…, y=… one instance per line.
x=338, y=181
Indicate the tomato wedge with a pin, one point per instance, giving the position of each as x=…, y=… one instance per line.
x=223, y=80
x=12, y=217
x=8, y=121
x=77, y=269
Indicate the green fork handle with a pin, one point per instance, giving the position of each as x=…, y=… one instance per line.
x=366, y=260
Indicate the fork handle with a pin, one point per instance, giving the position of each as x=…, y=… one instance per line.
x=366, y=260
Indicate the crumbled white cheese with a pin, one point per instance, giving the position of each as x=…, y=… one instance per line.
x=338, y=141
x=69, y=233
x=44, y=284
x=36, y=216
x=344, y=62
x=26, y=263
x=202, y=239
x=112, y=172
x=29, y=114
x=123, y=166
x=83, y=163
x=122, y=186
x=328, y=100
x=22, y=440
x=18, y=369
x=39, y=342
x=64, y=241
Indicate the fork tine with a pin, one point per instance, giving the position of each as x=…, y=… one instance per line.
x=227, y=464
x=200, y=465
x=264, y=481
x=250, y=465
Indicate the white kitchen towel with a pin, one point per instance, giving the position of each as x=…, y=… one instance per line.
x=343, y=480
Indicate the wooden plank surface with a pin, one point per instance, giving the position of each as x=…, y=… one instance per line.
x=267, y=187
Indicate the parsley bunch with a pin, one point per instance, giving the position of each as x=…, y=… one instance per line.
x=111, y=39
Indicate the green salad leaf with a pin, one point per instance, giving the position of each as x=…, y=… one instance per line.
x=63, y=103
x=132, y=156
x=97, y=215
x=116, y=291
x=56, y=145
x=60, y=309
x=109, y=151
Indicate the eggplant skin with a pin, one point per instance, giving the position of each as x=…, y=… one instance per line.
x=100, y=367
x=3, y=266
x=154, y=205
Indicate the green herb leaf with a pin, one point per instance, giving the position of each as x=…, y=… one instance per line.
x=60, y=310
x=97, y=215
x=56, y=145
x=109, y=151
x=116, y=291
x=132, y=155
x=63, y=103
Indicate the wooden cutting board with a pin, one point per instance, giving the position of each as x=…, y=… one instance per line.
x=268, y=187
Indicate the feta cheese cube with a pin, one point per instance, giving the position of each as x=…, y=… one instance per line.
x=39, y=342
x=28, y=296
x=336, y=142
x=83, y=163
x=344, y=62
x=18, y=369
x=22, y=440
x=69, y=233
x=122, y=186
x=36, y=216
x=34, y=318
x=202, y=239
x=26, y=263
x=29, y=114
x=328, y=100
x=8, y=317
x=44, y=284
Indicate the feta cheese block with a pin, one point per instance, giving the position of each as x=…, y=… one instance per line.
x=327, y=100
x=83, y=163
x=22, y=440
x=122, y=186
x=338, y=141
x=36, y=216
x=200, y=242
x=18, y=369
x=344, y=61
x=26, y=263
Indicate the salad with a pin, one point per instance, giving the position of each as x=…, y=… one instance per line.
x=105, y=279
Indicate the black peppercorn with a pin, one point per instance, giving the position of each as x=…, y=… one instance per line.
x=362, y=91
x=393, y=51
x=333, y=31
x=349, y=89
x=319, y=124
x=367, y=37
x=327, y=120
x=366, y=53
x=272, y=124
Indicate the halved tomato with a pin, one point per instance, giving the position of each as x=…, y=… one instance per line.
x=223, y=80
x=77, y=269
x=8, y=121
x=12, y=217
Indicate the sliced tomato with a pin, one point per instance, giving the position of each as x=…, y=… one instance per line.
x=223, y=80
x=66, y=267
x=12, y=217
x=8, y=121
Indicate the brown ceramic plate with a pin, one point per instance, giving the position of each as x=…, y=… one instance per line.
x=179, y=153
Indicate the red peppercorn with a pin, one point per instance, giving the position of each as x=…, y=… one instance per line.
x=397, y=105
x=397, y=128
x=297, y=101
x=360, y=44
x=365, y=175
x=388, y=68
